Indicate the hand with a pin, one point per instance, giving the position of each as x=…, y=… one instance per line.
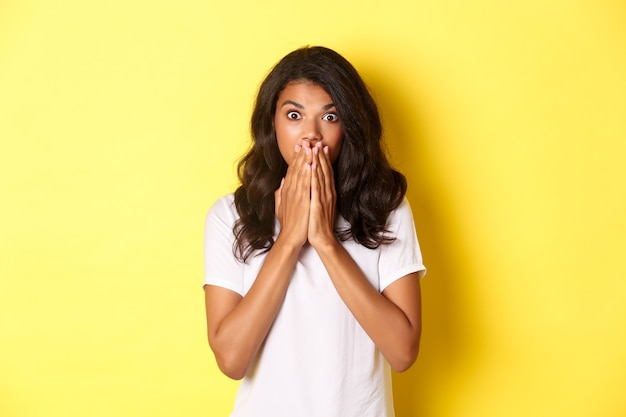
x=292, y=199
x=323, y=198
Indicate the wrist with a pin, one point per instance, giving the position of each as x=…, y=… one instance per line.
x=286, y=241
x=326, y=245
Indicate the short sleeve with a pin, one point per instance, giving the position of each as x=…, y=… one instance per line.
x=221, y=268
x=402, y=256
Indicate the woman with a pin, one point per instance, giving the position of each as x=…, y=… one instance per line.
x=312, y=266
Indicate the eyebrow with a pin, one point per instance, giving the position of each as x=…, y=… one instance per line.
x=300, y=106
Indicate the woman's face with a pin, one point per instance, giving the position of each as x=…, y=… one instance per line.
x=306, y=113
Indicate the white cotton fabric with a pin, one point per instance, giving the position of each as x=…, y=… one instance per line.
x=316, y=360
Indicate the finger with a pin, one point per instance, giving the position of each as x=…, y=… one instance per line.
x=315, y=181
x=308, y=151
x=304, y=164
x=294, y=168
x=325, y=163
x=327, y=175
x=318, y=174
x=308, y=170
x=297, y=181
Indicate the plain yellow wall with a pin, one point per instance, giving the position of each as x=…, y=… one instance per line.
x=121, y=122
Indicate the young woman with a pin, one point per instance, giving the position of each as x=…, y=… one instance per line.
x=312, y=266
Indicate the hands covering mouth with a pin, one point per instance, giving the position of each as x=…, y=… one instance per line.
x=305, y=201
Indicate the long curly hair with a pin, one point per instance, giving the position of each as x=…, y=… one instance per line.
x=368, y=188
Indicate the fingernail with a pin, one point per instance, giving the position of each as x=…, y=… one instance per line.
x=298, y=147
x=326, y=150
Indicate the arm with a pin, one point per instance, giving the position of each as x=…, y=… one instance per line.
x=391, y=319
x=236, y=325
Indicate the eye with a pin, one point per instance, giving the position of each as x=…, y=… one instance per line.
x=293, y=115
x=331, y=117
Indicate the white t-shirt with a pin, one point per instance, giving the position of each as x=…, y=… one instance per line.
x=317, y=361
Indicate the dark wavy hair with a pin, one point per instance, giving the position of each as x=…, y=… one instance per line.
x=368, y=188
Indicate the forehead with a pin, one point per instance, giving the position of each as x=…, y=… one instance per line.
x=304, y=91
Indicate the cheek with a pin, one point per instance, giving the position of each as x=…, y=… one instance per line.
x=285, y=145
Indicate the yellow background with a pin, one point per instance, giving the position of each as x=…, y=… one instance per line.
x=121, y=122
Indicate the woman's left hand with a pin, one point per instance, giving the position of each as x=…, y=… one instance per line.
x=323, y=198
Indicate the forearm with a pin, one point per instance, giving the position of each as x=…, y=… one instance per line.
x=238, y=327
x=236, y=339
x=395, y=332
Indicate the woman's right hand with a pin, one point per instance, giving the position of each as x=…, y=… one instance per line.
x=293, y=198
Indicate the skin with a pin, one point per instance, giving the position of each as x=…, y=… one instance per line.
x=306, y=114
x=309, y=136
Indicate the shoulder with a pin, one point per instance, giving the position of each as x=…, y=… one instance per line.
x=223, y=208
x=400, y=222
x=224, y=203
x=404, y=206
x=401, y=213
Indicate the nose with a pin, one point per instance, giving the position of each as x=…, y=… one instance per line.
x=311, y=132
